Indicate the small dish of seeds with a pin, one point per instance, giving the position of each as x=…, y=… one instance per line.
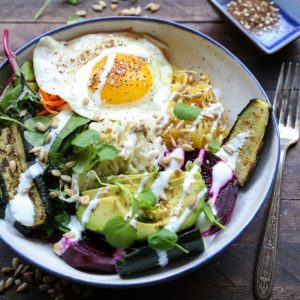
x=269, y=24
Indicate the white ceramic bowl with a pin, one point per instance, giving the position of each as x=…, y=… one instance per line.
x=187, y=48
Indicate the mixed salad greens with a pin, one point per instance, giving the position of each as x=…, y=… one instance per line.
x=48, y=165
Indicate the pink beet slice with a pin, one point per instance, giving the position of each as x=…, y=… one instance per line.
x=85, y=255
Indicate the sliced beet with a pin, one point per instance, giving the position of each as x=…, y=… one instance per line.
x=86, y=255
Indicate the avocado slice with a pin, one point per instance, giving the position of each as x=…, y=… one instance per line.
x=115, y=203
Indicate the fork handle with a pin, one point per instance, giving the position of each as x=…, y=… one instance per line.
x=266, y=261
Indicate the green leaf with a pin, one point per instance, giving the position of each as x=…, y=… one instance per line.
x=146, y=199
x=73, y=124
x=74, y=2
x=10, y=95
x=27, y=71
x=8, y=119
x=106, y=152
x=35, y=138
x=62, y=221
x=119, y=233
x=186, y=112
x=86, y=138
x=31, y=122
x=213, y=146
x=83, y=160
x=210, y=216
x=74, y=19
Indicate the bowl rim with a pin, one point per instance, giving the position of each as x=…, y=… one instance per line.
x=175, y=273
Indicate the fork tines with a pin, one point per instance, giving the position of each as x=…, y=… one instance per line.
x=287, y=96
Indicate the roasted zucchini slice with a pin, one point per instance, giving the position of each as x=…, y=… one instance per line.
x=252, y=121
x=9, y=178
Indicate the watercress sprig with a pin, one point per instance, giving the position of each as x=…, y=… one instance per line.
x=210, y=216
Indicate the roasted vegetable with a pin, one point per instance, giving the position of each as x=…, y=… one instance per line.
x=253, y=120
x=146, y=258
x=11, y=173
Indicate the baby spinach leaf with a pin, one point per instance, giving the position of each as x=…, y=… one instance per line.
x=186, y=112
x=10, y=95
x=146, y=199
x=106, y=152
x=35, y=138
x=210, y=216
x=119, y=233
x=74, y=123
x=31, y=122
x=86, y=138
x=83, y=160
x=213, y=146
x=164, y=240
x=62, y=221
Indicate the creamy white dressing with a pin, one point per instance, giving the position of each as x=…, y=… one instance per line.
x=143, y=183
x=189, y=179
x=103, y=77
x=221, y=174
x=63, y=117
x=176, y=221
x=160, y=183
x=129, y=144
x=76, y=227
x=88, y=211
x=202, y=223
x=215, y=108
x=235, y=144
x=163, y=259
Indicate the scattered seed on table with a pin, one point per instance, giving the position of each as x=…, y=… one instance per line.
x=25, y=269
x=38, y=275
x=2, y=286
x=18, y=270
x=28, y=276
x=97, y=8
x=58, y=286
x=51, y=291
x=9, y=282
x=18, y=282
x=45, y=287
x=7, y=270
x=60, y=297
x=113, y=6
x=81, y=13
x=15, y=262
x=23, y=287
x=49, y=279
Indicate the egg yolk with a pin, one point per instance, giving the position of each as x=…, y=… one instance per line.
x=128, y=80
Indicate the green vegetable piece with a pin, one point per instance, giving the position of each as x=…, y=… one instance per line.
x=83, y=160
x=186, y=112
x=214, y=146
x=73, y=2
x=10, y=95
x=63, y=221
x=210, y=216
x=74, y=19
x=75, y=122
x=31, y=122
x=146, y=199
x=106, y=152
x=35, y=138
x=86, y=138
x=27, y=71
x=164, y=240
x=119, y=233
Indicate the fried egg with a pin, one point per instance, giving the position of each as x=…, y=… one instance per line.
x=115, y=76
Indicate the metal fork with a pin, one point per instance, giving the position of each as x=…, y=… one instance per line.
x=286, y=107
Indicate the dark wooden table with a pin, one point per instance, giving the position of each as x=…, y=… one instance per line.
x=230, y=275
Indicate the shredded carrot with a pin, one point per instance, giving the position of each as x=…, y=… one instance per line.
x=51, y=103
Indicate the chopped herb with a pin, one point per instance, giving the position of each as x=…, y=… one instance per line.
x=63, y=221
x=146, y=199
x=106, y=152
x=213, y=146
x=119, y=233
x=186, y=112
x=164, y=240
x=210, y=216
x=86, y=138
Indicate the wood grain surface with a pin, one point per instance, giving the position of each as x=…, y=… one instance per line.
x=230, y=275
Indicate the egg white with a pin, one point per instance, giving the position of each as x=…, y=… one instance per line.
x=64, y=69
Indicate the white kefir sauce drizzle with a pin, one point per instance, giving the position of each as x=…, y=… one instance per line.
x=160, y=183
x=215, y=108
x=21, y=207
x=129, y=144
x=103, y=77
x=176, y=221
x=189, y=179
x=88, y=211
x=234, y=145
x=76, y=227
x=162, y=258
x=221, y=175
